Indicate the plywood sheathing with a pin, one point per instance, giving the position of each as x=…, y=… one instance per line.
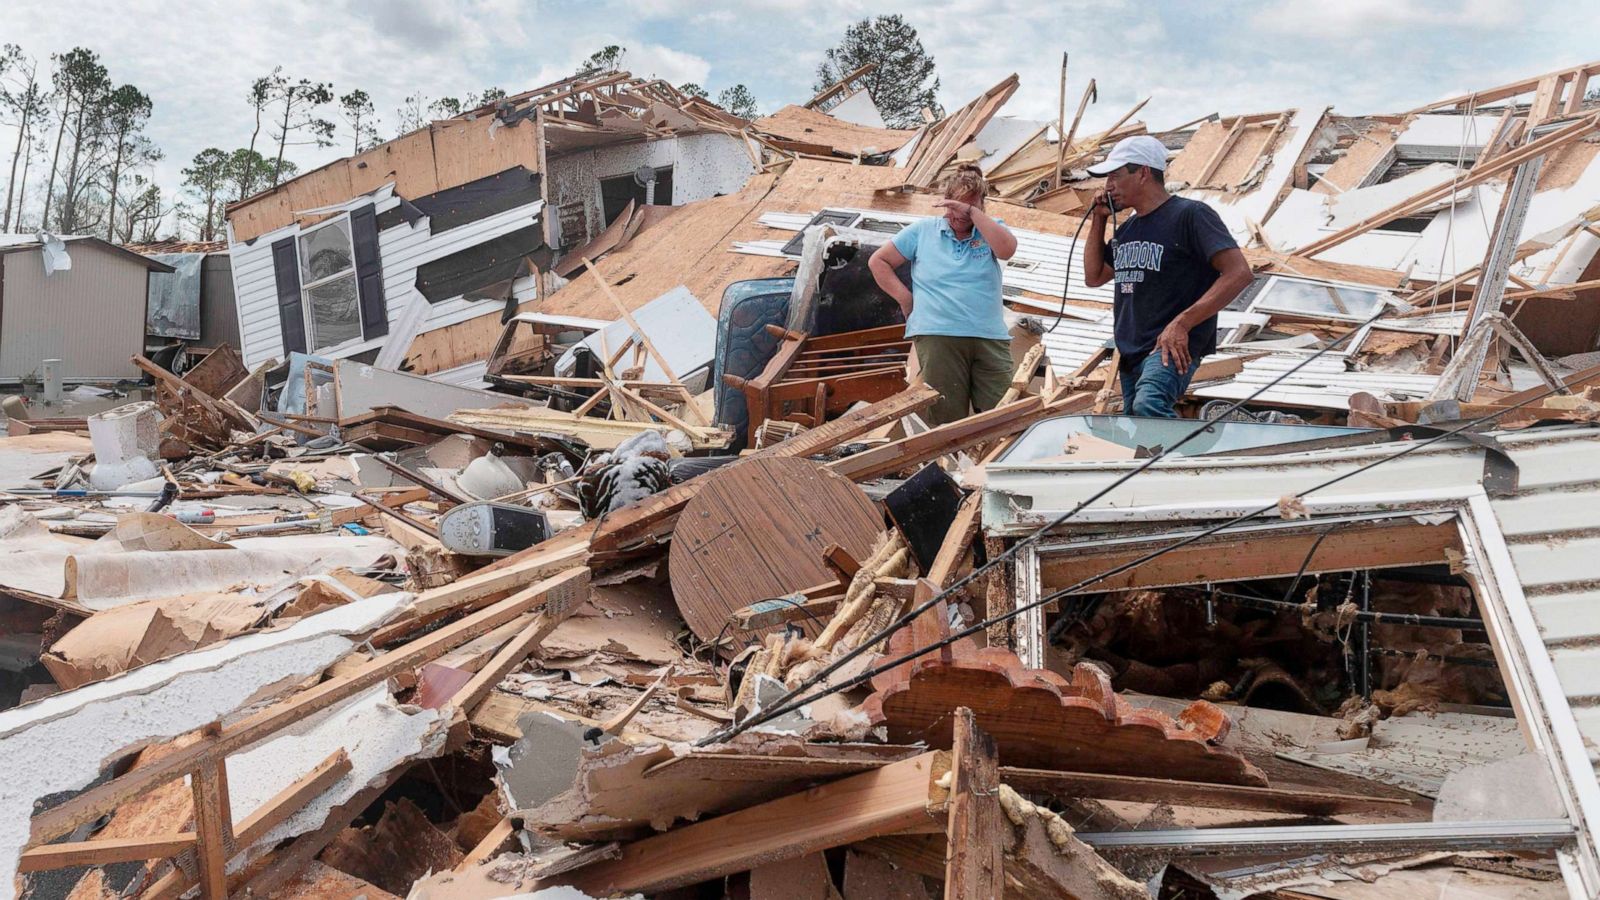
x=1363, y=160
x=796, y=123
x=1245, y=143
x=445, y=154
x=1564, y=167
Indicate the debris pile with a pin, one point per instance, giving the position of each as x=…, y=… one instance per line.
x=672, y=591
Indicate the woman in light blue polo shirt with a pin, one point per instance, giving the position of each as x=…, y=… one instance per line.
x=953, y=311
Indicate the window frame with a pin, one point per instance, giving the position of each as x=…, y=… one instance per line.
x=307, y=286
x=1261, y=302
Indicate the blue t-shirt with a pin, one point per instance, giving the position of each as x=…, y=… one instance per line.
x=1163, y=265
x=955, y=284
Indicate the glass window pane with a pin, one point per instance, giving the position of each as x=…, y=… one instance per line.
x=325, y=252
x=1331, y=300
x=333, y=313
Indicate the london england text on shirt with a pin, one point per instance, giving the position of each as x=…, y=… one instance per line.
x=1133, y=259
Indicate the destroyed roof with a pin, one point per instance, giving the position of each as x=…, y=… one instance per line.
x=817, y=133
x=180, y=246
x=692, y=247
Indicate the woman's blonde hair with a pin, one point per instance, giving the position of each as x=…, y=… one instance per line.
x=967, y=181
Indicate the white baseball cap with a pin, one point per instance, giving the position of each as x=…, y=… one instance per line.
x=1141, y=149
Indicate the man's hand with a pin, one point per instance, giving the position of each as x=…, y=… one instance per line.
x=1100, y=207
x=955, y=206
x=1174, y=346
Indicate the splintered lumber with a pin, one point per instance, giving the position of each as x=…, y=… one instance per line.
x=956, y=540
x=974, y=864
x=1045, y=859
x=280, y=807
x=652, y=518
x=104, y=852
x=103, y=798
x=977, y=429
x=1136, y=789
x=1041, y=720
x=903, y=796
x=556, y=610
x=213, y=827
x=1495, y=168
x=940, y=144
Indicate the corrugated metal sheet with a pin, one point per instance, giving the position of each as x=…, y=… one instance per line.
x=91, y=316
x=403, y=248
x=1323, y=383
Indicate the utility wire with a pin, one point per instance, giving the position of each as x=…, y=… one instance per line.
x=1038, y=533
x=783, y=708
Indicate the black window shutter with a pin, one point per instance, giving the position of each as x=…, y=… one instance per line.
x=291, y=316
x=369, y=272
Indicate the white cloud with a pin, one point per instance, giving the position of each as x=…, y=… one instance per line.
x=197, y=59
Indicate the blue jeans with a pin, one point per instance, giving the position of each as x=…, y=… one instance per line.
x=1152, y=389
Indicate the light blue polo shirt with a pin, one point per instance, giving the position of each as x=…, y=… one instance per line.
x=955, y=284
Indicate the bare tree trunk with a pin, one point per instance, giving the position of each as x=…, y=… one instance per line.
x=209, y=233
x=116, y=179
x=73, y=186
x=55, y=159
x=22, y=186
x=283, y=137
x=11, y=182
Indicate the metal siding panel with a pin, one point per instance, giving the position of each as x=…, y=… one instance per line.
x=1566, y=615
x=1556, y=560
x=91, y=316
x=1551, y=510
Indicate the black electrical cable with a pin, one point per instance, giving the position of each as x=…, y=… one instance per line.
x=783, y=708
x=1038, y=533
x=1073, y=251
x=1383, y=618
x=1306, y=563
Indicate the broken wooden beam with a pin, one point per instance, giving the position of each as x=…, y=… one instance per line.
x=899, y=797
x=973, y=862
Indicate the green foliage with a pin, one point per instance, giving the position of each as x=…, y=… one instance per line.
x=904, y=81
x=739, y=101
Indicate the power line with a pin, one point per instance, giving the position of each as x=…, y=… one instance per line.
x=1200, y=429
x=783, y=708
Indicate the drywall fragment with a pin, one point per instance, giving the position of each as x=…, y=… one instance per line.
x=105, y=580
x=61, y=742
x=543, y=763
x=376, y=733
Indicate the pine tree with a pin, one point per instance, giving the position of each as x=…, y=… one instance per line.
x=739, y=101
x=904, y=81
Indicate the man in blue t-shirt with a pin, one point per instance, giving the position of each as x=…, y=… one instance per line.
x=953, y=308
x=1176, y=266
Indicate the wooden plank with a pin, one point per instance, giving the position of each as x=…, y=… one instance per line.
x=1267, y=555
x=268, y=816
x=1499, y=166
x=956, y=540
x=652, y=518
x=974, y=865
x=899, y=797
x=102, y=799
x=976, y=429
x=105, y=851
x=526, y=641
x=1137, y=789
x=213, y=827
x=633, y=323
x=760, y=530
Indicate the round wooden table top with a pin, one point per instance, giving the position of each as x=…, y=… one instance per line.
x=757, y=530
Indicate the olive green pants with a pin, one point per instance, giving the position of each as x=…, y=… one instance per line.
x=970, y=374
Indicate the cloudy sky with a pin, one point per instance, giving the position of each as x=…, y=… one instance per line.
x=197, y=60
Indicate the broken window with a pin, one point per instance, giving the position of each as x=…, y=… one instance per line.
x=1324, y=300
x=616, y=192
x=328, y=285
